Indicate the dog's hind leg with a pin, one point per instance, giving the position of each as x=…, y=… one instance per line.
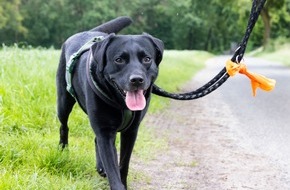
x=65, y=102
x=64, y=108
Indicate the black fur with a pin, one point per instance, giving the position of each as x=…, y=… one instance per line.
x=119, y=63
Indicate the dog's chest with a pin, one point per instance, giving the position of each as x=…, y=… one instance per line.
x=127, y=119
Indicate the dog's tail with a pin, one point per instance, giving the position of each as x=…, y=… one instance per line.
x=114, y=26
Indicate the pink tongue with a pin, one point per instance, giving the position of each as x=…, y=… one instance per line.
x=135, y=100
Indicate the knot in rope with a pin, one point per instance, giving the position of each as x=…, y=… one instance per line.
x=257, y=80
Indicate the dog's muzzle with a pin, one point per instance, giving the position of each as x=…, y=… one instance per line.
x=135, y=97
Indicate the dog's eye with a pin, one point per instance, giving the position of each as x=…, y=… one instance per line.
x=119, y=60
x=147, y=60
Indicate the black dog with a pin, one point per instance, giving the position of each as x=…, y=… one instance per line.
x=111, y=78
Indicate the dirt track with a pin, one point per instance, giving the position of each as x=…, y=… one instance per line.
x=206, y=152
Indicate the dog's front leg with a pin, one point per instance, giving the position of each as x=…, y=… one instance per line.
x=108, y=155
x=104, y=121
x=128, y=139
x=99, y=163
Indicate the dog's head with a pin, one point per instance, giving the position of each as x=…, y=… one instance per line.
x=129, y=63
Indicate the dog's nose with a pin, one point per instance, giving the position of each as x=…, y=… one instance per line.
x=136, y=80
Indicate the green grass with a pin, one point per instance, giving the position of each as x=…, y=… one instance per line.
x=278, y=51
x=29, y=155
x=280, y=55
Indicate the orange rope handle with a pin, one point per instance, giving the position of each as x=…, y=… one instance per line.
x=257, y=80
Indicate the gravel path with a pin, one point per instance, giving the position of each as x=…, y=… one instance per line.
x=205, y=151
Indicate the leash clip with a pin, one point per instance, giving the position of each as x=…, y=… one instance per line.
x=238, y=61
x=238, y=55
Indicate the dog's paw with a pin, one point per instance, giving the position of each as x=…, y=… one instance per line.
x=62, y=146
x=101, y=172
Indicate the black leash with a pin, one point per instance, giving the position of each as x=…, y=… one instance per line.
x=222, y=76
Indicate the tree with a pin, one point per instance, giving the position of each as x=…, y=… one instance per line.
x=271, y=7
x=11, y=27
x=210, y=25
x=281, y=21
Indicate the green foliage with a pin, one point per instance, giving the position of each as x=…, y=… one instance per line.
x=280, y=18
x=210, y=25
x=29, y=154
x=11, y=27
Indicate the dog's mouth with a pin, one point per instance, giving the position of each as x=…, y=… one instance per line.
x=135, y=99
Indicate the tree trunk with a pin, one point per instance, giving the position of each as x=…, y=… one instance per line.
x=267, y=26
x=208, y=39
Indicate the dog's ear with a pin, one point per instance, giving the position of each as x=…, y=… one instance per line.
x=158, y=45
x=99, y=52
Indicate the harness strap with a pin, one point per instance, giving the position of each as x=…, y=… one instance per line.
x=128, y=117
x=72, y=61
